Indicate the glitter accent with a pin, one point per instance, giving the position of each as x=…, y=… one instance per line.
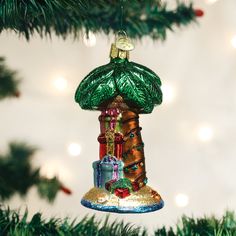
x=117, y=209
x=140, y=201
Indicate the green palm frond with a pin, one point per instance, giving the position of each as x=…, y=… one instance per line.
x=136, y=84
x=96, y=88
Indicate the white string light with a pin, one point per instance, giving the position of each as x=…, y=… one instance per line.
x=211, y=1
x=233, y=41
x=60, y=83
x=181, y=200
x=205, y=133
x=74, y=149
x=90, y=39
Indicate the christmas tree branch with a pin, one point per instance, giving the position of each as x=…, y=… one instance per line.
x=8, y=81
x=12, y=223
x=140, y=17
x=17, y=174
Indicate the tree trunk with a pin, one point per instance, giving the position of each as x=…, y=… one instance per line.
x=133, y=149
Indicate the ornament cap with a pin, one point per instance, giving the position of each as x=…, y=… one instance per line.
x=118, y=53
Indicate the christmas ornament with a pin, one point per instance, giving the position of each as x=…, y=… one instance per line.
x=121, y=90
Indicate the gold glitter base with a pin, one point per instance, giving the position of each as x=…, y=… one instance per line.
x=144, y=200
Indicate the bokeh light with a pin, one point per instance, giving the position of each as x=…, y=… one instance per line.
x=181, y=200
x=211, y=1
x=60, y=83
x=233, y=41
x=74, y=149
x=205, y=133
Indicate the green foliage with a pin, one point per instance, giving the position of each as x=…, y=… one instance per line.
x=17, y=174
x=48, y=188
x=209, y=226
x=14, y=224
x=136, y=84
x=140, y=17
x=8, y=81
x=121, y=183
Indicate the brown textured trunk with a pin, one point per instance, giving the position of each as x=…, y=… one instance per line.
x=133, y=151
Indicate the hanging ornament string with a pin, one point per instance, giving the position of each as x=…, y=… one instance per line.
x=121, y=14
x=122, y=41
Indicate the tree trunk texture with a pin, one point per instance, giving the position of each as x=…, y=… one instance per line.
x=133, y=148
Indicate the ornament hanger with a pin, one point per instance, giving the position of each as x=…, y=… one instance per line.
x=123, y=42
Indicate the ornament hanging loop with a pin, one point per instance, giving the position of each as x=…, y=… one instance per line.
x=121, y=33
x=121, y=13
x=123, y=42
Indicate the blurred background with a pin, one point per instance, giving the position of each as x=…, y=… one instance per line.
x=189, y=140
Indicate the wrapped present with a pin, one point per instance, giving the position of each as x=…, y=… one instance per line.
x=118, y=142
x=122, y=192
x=122, y=183
x=110, y=119
x=109, y=168
x=109, y=184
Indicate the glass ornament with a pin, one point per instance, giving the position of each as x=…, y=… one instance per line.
x=121, y=90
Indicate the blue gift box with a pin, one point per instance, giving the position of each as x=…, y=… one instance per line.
x=109, y=168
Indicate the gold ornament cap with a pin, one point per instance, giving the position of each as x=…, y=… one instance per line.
x=118, y=53
x=124, y=43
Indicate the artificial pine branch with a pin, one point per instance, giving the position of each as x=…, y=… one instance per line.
x=17, y=174
x=8, y=81
x=14, y=224
x=141, y=17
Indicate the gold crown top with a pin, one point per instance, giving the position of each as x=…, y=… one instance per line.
x=118, y=53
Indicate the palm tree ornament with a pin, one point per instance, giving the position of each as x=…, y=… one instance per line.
x=121, y=90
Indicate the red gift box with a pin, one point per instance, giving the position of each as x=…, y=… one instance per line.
x=122, y=192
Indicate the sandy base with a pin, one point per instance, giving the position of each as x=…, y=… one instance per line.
x=141, y=201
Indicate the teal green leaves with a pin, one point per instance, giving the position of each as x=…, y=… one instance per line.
x=96, y=88
x=138, y=85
